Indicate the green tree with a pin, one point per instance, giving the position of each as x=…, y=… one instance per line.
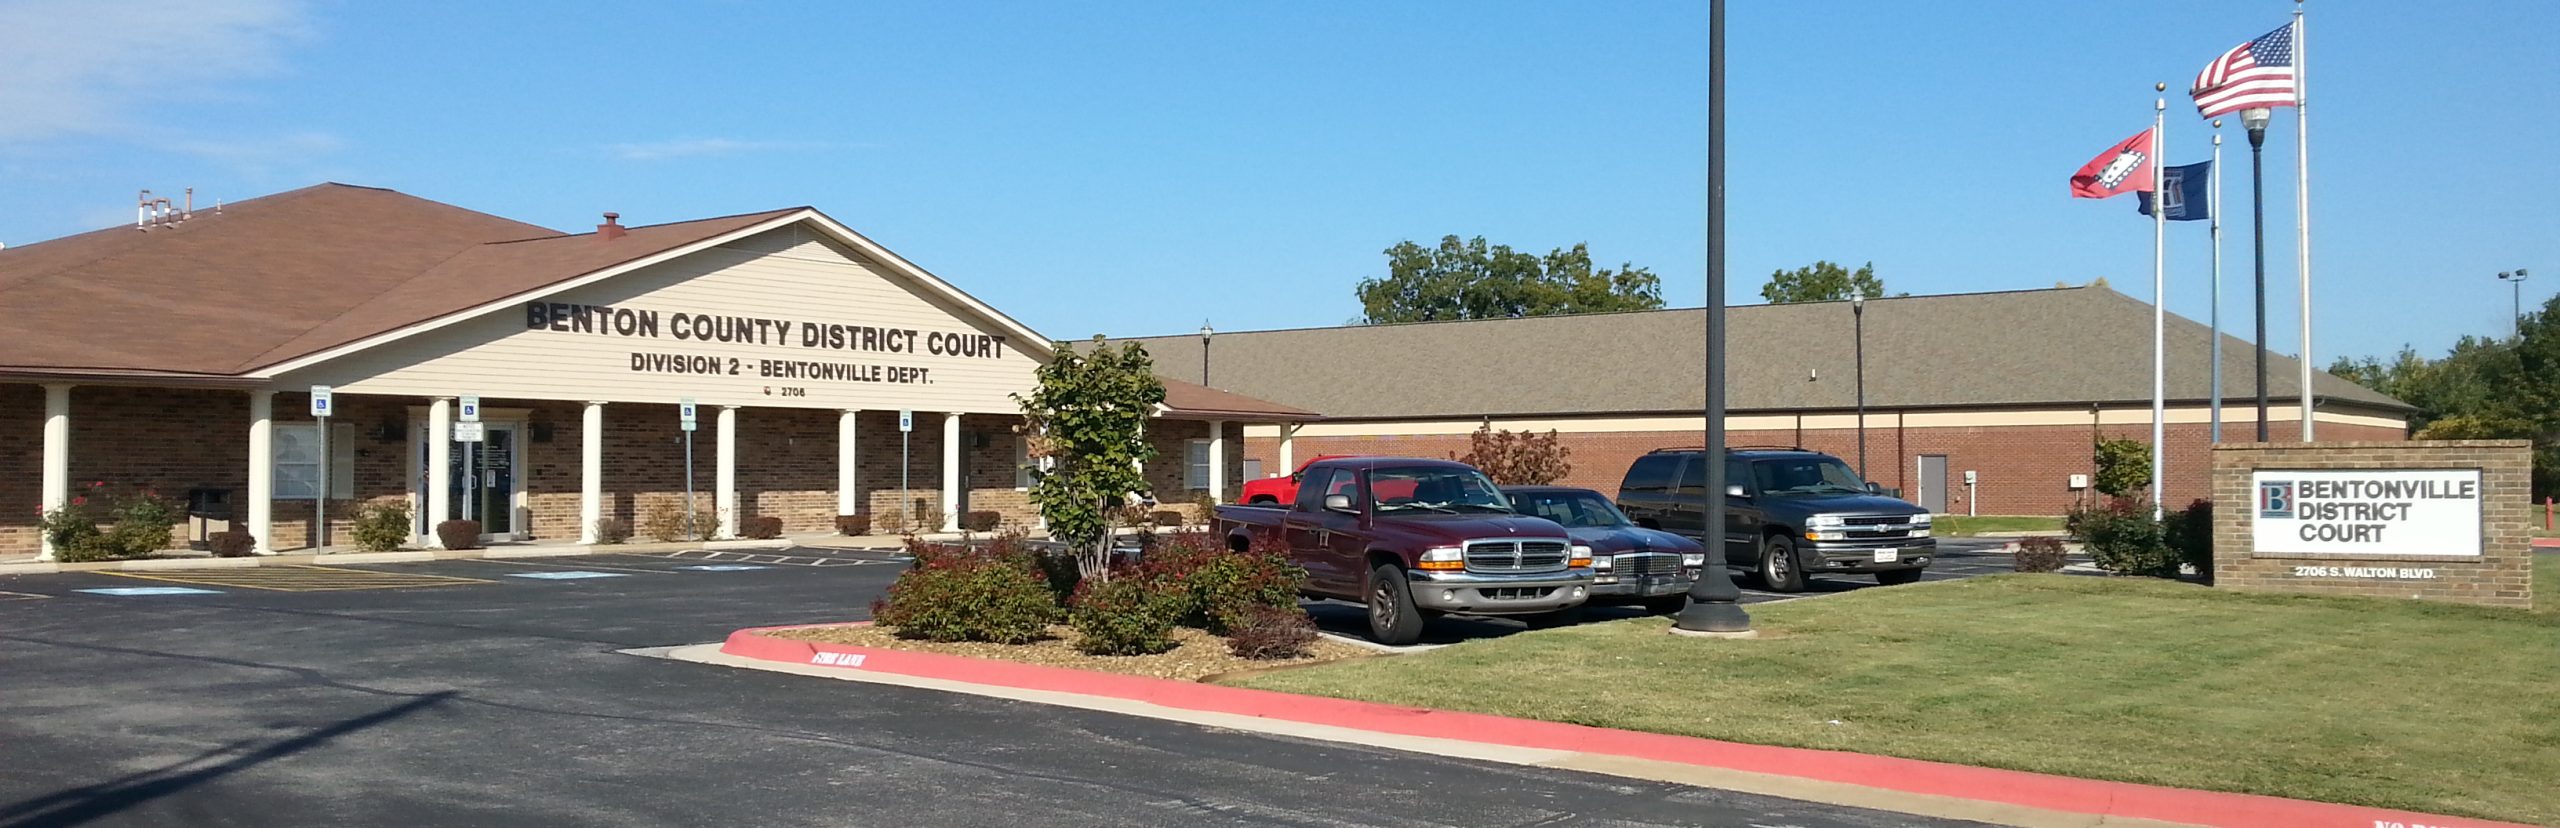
x=1086, y=427
x=2124, y=466
x=1822, y=281
x=2485, y=388
x=1470, y=279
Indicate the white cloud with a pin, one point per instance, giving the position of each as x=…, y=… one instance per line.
x=691, y=147
x=77, y=67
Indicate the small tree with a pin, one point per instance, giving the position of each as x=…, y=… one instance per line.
x=1517, y=458
x=2124, y=467
x=1085, y=426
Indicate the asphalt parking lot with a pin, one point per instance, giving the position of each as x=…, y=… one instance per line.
x=475, y=692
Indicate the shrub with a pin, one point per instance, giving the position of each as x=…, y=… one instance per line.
x=141, y=524
x=1229, y=587
x=233, y=544
x=983, y=520
x=612, y=530
x=2190, y=535
x=760, y=527
x=2123, y=539
x=964, y=593
x=459, y=534
x=853, y=525
x=665, y=523
x=1272, y=633
x=2040, y=555
x=382, y=527
x=1168, y=517
x=1131, y=615
x=893, y=520
x=2123, y=466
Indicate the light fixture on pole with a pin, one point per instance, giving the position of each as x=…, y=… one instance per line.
x=1858, y=313
x=1205, y=333
x=2515, y=318
x=1715, y=604
x=2255, y=120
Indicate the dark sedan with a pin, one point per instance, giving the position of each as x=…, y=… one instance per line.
x=1629, y=564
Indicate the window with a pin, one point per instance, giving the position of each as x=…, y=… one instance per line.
x=1195, y=469
x=1313, y=487
x=1653, y=473
x=297, y=461
x=1252, y=469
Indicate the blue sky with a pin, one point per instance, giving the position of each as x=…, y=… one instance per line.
x=1134, y=168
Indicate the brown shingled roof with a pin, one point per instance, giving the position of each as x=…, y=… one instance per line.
x=283, y=276
x=1190, y=400
x=2071, y=346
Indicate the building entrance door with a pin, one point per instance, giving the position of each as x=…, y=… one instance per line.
x=483, y=480
x=1932, y=483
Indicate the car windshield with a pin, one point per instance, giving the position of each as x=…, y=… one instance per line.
x=1435, y=489
x=1805, y=476
x=1570, y=508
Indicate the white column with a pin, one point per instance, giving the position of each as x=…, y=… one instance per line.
x=439, y=466
x=1218, y=460
x=725, y=477
x=951, y=471
x=1288, y=447
x=262, y=470
x=57, y=452
x=848, y=464
x=590, y=471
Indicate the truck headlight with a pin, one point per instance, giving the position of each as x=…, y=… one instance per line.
x=1824, y=521
x=1604, y=563
x=1581, y=557
x=1920, y=531
x=1443, y=559
x=1694, y=561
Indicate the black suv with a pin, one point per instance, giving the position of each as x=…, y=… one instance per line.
x=1789, y=513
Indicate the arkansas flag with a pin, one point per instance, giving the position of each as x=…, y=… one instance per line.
x=2123, y=168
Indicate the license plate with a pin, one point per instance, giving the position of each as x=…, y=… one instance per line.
x=1888, y=555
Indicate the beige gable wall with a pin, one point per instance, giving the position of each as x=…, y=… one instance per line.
x=790, y=275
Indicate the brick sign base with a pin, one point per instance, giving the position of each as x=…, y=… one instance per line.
x=2500, y=575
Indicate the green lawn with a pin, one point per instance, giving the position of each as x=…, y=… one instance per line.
x=2431, y=707
x=1958, y=526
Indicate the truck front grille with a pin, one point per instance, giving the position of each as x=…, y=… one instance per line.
x=1516, y=556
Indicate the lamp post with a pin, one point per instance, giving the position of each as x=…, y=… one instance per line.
x=1205, y=333
x=1715, y=604
x=2255, y=119
x=1858, y=313
x=2515, y=317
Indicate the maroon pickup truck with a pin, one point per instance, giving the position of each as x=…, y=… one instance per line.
x=1413, y=539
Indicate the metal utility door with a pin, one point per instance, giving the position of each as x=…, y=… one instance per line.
x=1932, y=484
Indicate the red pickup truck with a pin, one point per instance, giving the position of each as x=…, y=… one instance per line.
x=1413, y=539
x=1273, y=491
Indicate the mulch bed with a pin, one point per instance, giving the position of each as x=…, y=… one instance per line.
x=1196, y=655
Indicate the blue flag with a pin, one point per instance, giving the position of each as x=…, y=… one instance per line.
x=2187, y=188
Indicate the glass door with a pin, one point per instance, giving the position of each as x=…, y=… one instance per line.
x=482, y=480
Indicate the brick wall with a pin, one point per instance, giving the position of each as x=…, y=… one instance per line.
x=2501, y=576
x=2020, y=470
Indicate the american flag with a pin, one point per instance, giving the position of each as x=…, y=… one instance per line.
x=2258, y=73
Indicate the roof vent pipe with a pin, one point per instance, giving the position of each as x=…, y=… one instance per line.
x=611, y=228
x=142, y=211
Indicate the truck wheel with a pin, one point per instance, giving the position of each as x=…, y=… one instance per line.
x=1566, y=617
x=1895, y=577
x=1779, y=569
x=1666, y=604
x=1393, y=620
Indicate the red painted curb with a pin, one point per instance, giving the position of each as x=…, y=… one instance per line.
x=2546, y=543
x=2035, y=790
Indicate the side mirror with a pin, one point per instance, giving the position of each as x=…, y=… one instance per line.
x=1874, y=487
x=1337, y=503
x=1735, y=490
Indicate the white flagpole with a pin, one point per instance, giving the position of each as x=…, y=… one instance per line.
x=2159, y=311
x=2302, y=207
x=2214, y=206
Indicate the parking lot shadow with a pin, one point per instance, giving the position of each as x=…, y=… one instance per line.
x=87, y=803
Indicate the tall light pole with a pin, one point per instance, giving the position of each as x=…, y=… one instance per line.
x=1858, y=313
x=1715, y=605
x=1205, y=333
x=2255, y=119
x=2515, y=317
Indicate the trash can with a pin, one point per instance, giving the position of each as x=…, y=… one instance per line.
x=208, y=511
